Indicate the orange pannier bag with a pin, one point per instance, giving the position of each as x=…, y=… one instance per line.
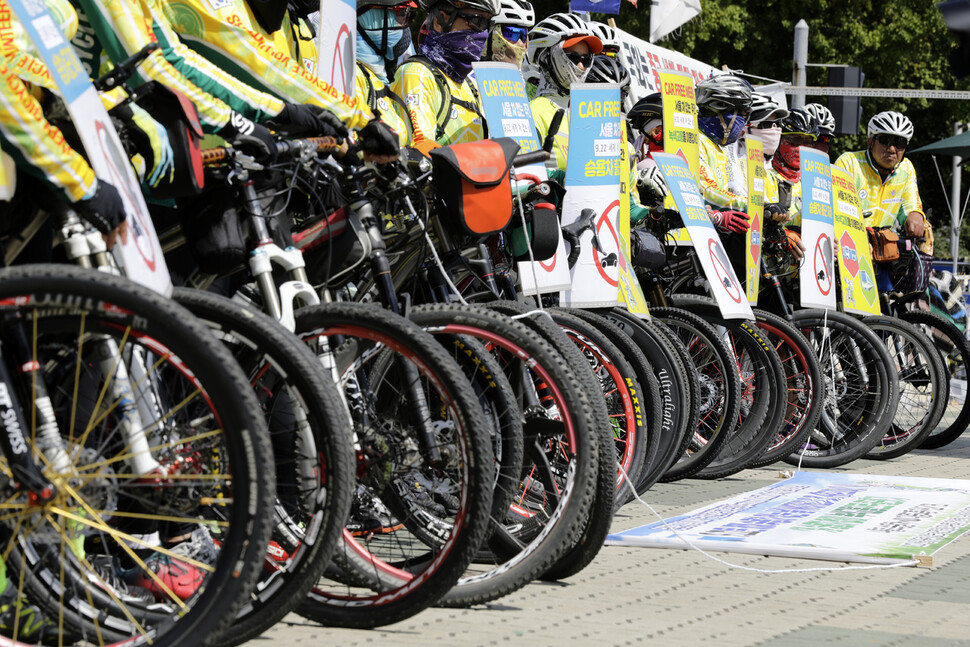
x=473, y=187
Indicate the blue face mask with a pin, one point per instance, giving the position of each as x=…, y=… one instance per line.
x=370, y=37
x=713, y=127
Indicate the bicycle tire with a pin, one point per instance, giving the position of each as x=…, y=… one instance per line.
x=520, y=560
x=720, y=393
x=859, y=389
x=760, y=371
x=73, y=309
x=955, y=350
x=280, y=367
x=803, y=377
x=444, y=500
x=622, y=390
x=923, y=387
x=677, y=380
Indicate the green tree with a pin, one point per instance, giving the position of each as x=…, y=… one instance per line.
x=897, y=43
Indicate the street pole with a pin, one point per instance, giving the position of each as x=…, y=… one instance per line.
x=799, y=76
x=955, y=206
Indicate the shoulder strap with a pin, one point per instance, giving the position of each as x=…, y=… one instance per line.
x=444, y=112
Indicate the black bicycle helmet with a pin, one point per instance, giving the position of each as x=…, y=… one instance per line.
x=764, y=108
x=645, y=110
x=799, y=122
x=824, y=117
x=724, y=93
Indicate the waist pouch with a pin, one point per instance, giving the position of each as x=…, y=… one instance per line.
x=177, y=113
x=471, y=180
x=885, y=245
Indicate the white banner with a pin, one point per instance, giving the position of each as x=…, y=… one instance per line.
x=823, y=515
x=644, y=60
x=817, y=276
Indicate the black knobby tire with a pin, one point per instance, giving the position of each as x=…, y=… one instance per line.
x=212, y=426
x=650, y=394
x=955, y=350
x=720, y=397
x=622, y=390
x=804, y=379
x=517, y=558
x=760, y=372
x=439, y=529
x=859, y=392
x=601, y=514
x=923, y=387
x=286, y=374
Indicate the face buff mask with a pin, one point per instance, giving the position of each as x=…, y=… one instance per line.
x=455, y=51
x=372, y=32
x=713, y=127
x=770, y=137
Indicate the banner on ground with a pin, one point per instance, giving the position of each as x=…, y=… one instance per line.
x=337, y=45
x=817, y=276
x=592, y=202
x=508, y=114
x=141, y=257
x=859, y=294
x=725, y=286
x=815, y=515
x=754, y=151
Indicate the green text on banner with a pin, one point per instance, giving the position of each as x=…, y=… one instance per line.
x=859, y=294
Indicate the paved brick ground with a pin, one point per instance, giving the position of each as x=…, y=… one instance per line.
x=631, y=596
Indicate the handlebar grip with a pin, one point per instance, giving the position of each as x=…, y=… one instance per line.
x=535, y=157
x=553, y=129
x=213, y=155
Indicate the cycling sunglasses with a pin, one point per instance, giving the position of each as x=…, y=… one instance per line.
x=892, y=140
x=575, y=58
x=476, y=21
x=403, y=13
x=514, y=33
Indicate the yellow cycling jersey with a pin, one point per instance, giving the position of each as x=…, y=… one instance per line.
x=120, y=28
x=282, y=63
x=454, y=118
x=374, y=92
x=37, y=146
x=889, y=201
x=16, y=48
x=714, y=178
x=543, y=111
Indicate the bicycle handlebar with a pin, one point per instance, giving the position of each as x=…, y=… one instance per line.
x=284, y=148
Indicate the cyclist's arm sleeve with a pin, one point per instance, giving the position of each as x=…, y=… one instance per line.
x=910, y=198
x=37, y=146
x=717, y=197
x=416, y=85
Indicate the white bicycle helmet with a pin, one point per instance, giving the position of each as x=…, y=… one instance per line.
x=764, y=108
x=892, y=123
x=607, y=35
x=824, y=117
x=515, y=12
x=546, y=42
x=606, y=69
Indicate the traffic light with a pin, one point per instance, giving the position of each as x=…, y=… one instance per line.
x=847, y=110
x=956, y=15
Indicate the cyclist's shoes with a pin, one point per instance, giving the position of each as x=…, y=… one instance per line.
x=372, y=518
x=175, y=568
x=107, y=576
x=30, y=622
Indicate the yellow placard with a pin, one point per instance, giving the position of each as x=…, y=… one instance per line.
x=857, y=277
x=681, y=136
x=756, y=214
x=631, y=294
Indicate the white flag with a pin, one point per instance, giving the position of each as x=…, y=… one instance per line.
x=668, y=15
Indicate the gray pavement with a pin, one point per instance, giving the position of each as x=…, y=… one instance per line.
x=630, y=596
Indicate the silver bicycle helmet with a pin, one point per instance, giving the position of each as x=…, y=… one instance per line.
x=799, y=122
x=606, y=69
x=515, y=12
x=892, y=123
x=824, y=117
x=724, y=93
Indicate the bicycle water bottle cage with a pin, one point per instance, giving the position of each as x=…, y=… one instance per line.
x=472, y=184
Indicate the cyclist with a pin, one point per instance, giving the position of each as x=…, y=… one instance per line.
x=382, y=37
x=442, y=103
x=885, y=178
x=226, y=106
x=562, y=48
x=826, y=126
x=723, y=103
x=646, y=121
x=763, y=123
x=799, y=128
x=509, y=39
x=607, y=36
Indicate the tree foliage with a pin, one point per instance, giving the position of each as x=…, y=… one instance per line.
x=897, y=43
